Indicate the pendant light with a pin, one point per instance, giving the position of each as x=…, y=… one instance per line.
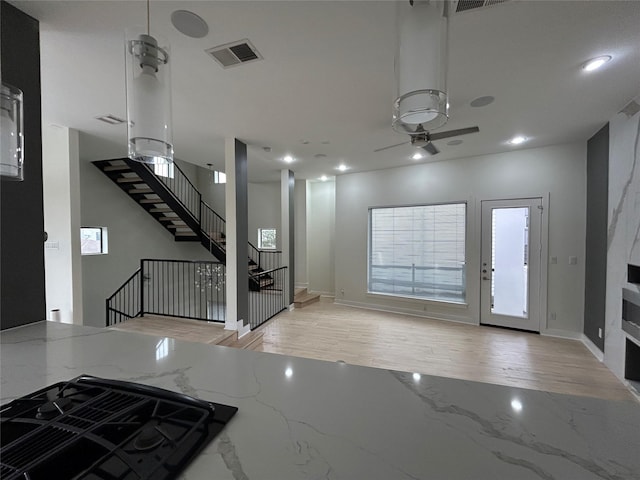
x=421, y=66
x=148, y=97
x=11, y=131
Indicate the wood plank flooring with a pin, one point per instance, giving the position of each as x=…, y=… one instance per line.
x=178, y=328
x=326, y=331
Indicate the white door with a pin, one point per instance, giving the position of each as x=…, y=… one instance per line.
x=510, y=263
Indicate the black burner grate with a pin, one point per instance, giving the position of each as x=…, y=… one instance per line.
x=90, y=428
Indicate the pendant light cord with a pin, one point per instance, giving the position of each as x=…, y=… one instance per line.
x=148, y=23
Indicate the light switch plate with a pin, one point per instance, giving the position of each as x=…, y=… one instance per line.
x=573, y=260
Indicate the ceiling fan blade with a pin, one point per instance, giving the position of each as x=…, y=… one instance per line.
x=453, y=133
x=389, y=146
x=431, y=149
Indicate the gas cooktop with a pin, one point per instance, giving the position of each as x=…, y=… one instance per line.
x=94, y=428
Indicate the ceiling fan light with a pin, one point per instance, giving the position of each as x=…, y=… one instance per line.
x=148, y=83
x=419, y=111
x=417, y=156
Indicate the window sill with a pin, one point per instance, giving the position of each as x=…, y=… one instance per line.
x=420, y=301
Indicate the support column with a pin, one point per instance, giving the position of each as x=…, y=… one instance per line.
x=287, y=184
x=237, y=250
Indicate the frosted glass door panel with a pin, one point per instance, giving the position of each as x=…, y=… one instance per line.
x=509, y=252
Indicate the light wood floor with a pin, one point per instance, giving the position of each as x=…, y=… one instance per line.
x=326, y=331
x=178, y=328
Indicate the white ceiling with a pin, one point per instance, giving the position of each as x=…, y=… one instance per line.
x=327, y=76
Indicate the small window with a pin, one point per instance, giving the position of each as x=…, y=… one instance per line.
x=93, y=241
x=219, y=177
x=163, y=169
x=267, y=238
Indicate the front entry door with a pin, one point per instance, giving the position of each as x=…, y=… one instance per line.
x=510, y=263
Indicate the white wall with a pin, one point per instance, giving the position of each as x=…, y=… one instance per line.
x=133, y=235
x=264, y=210
x=61, y=196
x=321, y=239
x=559, y=171
x=624, y=229
x=212, y=193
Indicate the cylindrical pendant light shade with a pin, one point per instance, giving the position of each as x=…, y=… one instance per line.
x=12, y=138
x=148, y=100
x=421, y=67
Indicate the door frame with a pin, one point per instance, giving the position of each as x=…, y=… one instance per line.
x=544, y=253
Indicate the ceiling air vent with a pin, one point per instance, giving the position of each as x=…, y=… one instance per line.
x=111, y=119
x=234, y=53
x=465, y=5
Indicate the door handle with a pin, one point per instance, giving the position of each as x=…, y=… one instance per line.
x=485, y=278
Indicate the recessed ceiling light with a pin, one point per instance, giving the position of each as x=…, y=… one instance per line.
x=266, y=149
x=453, y=143
x=417, y=156
x=323, y=178
x=305, y=142
x=189, y=24
x=325, y=142
x=320, y=155
x=518, y=140
x=342, y=167
x=482, y=101
x=595, y=63
x=288, y=158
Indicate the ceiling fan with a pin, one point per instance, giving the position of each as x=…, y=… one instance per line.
x=422, y=139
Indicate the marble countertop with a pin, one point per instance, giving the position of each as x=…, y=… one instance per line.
x=307, y=419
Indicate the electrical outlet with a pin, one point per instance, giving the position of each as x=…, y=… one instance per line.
x=554, y=260
x=599, y=333
x=552, y=316
x=573, y=260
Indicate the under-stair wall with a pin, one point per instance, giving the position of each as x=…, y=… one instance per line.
x=133, y=234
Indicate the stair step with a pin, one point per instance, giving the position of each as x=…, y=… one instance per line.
x=116, y=168
x=264, y=282
x=130, y=180
x=151, y=200
x=172, y=219
x=174, y=226
x=301, y=301
x=137, y=191
x=299, y=291
x=187, y=234
x=248, y=341
x=160, y=210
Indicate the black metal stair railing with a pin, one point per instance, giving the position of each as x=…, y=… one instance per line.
x=265, y=259
x=181, y=187
x=270, y=300
x=213, y=231
x=125, y=303
x=175, y=288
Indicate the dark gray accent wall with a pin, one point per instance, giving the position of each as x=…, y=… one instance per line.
x=21, y=212
x=242, y=233
x=292, y=244
x=595, y=284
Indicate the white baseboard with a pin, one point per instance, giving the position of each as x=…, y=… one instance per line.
x=406, y=311
x=592, y=347
x=550, y=332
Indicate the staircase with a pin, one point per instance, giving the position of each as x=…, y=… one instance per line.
x=303, y=298
x=177, y=205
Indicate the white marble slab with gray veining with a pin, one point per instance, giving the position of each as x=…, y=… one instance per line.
x=307, y=419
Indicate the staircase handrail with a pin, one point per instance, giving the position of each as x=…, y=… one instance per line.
x=182, y=189
x=131, y=300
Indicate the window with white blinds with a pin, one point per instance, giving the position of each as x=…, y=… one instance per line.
x=418, y=251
